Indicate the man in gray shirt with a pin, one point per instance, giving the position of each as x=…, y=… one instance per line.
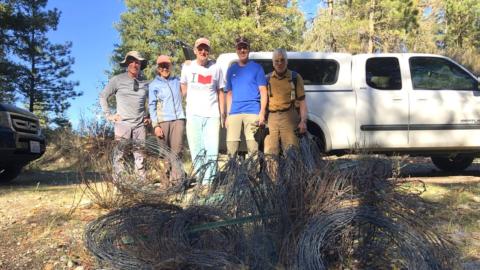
x=131, y=116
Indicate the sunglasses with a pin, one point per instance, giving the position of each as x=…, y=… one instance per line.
x=136, y=85
x=242, y=47
x=163, y=65
x=203, y=49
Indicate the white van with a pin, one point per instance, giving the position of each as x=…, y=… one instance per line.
x=416, y=104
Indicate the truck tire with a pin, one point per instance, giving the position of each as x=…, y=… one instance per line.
x=318, y=136
x=9, y=173
x=452, y=164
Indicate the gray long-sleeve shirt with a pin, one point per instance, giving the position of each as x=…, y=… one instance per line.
x=130, y=103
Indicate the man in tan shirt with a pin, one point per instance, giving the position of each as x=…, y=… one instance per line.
x=285, y=94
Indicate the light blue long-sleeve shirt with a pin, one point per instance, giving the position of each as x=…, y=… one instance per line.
x=165, y=100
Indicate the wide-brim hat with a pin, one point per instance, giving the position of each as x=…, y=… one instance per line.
x=136, y=55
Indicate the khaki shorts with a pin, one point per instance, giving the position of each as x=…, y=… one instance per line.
x=235, y=123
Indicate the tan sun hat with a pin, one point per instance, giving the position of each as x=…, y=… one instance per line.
x=136, y=55
x=163, y=59
x=201, y=41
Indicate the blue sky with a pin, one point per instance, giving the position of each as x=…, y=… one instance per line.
x=89, y=25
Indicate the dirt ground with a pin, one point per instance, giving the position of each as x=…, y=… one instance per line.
x=43, y=215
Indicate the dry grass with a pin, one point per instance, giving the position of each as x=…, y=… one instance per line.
x=456, y=211
x=42, y=217
x=47, y=211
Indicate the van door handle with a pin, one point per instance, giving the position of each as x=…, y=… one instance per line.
x=421, y=99
x=397, y=99
x=363, y=88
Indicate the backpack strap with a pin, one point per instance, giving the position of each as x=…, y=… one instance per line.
x=293, y=81
x=269, y=87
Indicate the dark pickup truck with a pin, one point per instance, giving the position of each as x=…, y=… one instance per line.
x=21, y=140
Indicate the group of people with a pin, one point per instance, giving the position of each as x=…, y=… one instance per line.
x=244, y=98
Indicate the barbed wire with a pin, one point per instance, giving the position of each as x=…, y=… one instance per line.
x=309, y=213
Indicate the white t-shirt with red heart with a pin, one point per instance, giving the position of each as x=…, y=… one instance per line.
x=202, y=82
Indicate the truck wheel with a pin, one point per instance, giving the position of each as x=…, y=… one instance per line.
x=7, y=174
x=317, y=134
x=451, y=164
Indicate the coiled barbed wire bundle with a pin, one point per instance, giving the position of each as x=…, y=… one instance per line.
x=311, y=214
x=159, y=180
x=161, y=236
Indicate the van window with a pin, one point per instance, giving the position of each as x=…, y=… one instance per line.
x=383, y=73
x=313, y=71
x=434, y=73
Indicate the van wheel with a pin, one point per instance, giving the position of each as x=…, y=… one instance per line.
x=451, y=164
x=9, y=173
x=317, y=135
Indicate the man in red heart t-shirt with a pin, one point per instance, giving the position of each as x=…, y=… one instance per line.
x=202, y=82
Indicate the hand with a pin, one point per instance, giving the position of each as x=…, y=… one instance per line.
x=114, y=117
x=302, y=127
x=158, y=132
x=147, y=121
x=261, y=119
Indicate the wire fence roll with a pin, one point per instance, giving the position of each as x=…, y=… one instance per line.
x=304, y=212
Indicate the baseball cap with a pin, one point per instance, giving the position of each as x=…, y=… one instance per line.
x=201, y=41
x=242, y=40
x=163, y=59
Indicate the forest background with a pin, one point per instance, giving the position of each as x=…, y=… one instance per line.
x=35, y=72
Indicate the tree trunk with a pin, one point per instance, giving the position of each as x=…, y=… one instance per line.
x=371, y=26
x=245, y=10
x=257, y=13
x=333, y=41
x=31, y=91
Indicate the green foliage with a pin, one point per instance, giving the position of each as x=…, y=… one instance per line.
x=462, y=20
x=7, y=68
x=350, y=26
x=154, y=27
x=445, y=27
x=42, y=68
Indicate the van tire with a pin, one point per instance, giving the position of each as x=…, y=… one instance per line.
x=317, y=134
x=452, y=164
x=9, y=173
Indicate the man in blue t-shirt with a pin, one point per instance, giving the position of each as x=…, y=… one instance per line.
x=246, y=99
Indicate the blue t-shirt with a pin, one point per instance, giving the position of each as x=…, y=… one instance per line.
x=244, y=82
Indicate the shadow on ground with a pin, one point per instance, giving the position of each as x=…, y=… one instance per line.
x=48, y=178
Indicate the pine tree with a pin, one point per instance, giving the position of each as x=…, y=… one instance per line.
x=363, y=26
x=154, y=27
x=43, y=67
x=7, y=67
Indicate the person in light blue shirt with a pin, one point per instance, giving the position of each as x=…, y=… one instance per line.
x=166, y=111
